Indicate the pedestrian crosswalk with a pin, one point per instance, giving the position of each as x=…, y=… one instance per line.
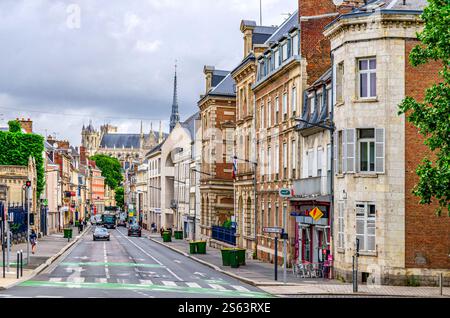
x=147, y=282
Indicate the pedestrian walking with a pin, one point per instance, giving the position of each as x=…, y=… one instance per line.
x=80, y=226
x=33, y=241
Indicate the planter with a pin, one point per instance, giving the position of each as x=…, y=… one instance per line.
x=167, y=237
x=193, y=247
x=201, y=247
x=226, y=256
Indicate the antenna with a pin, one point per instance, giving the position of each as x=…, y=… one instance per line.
x=260, y=12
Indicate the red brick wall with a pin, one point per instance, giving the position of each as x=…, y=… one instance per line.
x=426, y=233
x=314, y=46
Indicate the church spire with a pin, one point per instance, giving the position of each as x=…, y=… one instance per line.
x=175, y=117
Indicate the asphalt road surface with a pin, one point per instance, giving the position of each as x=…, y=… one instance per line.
x=129, y=267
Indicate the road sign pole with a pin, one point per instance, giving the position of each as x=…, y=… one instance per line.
x=284, y=257
x=276, y=258
x=28, y=224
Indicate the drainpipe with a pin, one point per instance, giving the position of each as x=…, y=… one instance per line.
x=332, y=160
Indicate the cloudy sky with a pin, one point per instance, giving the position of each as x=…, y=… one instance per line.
x=64, y=63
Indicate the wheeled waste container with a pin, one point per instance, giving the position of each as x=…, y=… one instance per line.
x=193, y=247
x=201, y=247
x=167, y=237
x=226, y=256
x=234, y=259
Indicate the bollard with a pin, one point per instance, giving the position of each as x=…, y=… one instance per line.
x=17, y=264
x=21, y=263
x=441, y=282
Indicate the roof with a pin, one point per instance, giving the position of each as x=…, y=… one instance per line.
x=225, y=88
x=189, y=124
x=121, y=141
x=324, y=78
x=250, y=57
x=155, y=149
x=218, y=76
x=283, y=29
x=262, y=33
x=385, y=7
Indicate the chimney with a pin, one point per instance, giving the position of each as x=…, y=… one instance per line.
x=83, y=155
x=26, y=125
x=208, y=70
x=345, y=6
x=247, y=28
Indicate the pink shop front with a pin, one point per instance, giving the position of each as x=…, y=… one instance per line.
x=313, y=237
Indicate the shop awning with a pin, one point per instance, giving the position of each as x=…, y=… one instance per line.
x=322, y=198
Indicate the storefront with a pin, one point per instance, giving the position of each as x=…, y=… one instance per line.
x=312, y=236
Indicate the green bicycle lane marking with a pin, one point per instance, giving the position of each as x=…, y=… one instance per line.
x=112, y=264
x=170, y=289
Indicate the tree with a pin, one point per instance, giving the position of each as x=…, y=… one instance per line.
x=14, y=126
x=120, y=198
x=432, y=116
x=111, y=170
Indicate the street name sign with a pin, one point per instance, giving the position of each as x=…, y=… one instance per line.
x=277, y=230
x=285, y=193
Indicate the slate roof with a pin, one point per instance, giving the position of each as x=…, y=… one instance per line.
x=323, y=79
x=262, y=33
x=121, y=141
x=385, y=7
x=225, y=88
x=189, y=124
x=218, y=76
x=283, y=29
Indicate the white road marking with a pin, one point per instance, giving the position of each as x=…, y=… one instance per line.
x=156, y=260
x=200, y=274
x=105, y=257
x=193, y=285
x=240, y=288
x=169, y=283
x=55, y=279
x=3, y=295
x=49, y=297
x=177, y=261
x=145, y=282
x=217, y=287
x=123, y=281
x=76, y=280
x=101, y=280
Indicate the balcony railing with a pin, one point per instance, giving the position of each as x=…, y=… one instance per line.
x=224, y=234
x=313, y=186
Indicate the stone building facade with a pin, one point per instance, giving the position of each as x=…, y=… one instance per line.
x=245, y=146
x=376, y=150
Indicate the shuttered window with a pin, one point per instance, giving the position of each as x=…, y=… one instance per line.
x=341, y=228
x=365, y=226
x=380, y=150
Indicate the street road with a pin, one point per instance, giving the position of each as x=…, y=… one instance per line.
x=128, y=267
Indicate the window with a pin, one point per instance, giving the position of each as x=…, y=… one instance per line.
x=285, y=51
x=319, y=161
x=270, y=59
x=294, y=158
x=340, y=83
x=277, y=109
x=285, y=163
x=262, y=116
x=328, y=157
x=262, y=163
x=277, y=161
x=277, y=58
x=310, y=162
x=269, y=114
x=269, y=210
x=269, y=164
x=367, y=78
x=276, y=215
x=319, y=102
x=262, y=216
x=341, y=228
x=329, y=103
x=295, y=46
x=285, y=106
x=366, y=150
x=312, y=105
x=294, y=100
x=340, y=152
x=365, y=226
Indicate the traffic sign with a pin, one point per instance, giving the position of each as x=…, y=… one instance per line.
x=277, y=230
x=286, y=193
x=316, y=214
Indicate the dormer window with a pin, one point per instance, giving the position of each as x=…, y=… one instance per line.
x=295, y=44
x=277, y=58
x=284, y=48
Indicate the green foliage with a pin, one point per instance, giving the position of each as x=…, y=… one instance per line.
x=14, y=126
x=412, y=281
x=16, y=148
x=227, y=224
x=120, y=198
x=432, y=117
x=111, y=169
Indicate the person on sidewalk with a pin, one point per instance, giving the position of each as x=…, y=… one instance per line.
x=33, y=241
x=80, y=226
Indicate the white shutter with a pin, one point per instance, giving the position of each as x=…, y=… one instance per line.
x=351, y=151
x=380, y=150
x=344, y=151
x=335, y=150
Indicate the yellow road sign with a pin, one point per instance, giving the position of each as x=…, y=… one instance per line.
x=316, y=214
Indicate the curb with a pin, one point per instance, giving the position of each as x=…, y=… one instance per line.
x=218, y=269
x=47, y=263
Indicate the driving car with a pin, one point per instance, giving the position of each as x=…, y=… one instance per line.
x=101, y=233
x=134, y=230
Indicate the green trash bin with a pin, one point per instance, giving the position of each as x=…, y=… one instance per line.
x=193, y=247
x=167, y=237
x=201, y=247
x=178, y=235
x=241, y=256
x=68, y=234
x=226, y=256
x=234, y=259
x=77, y=223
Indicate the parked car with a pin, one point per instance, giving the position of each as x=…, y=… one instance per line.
x=134, y=230
x=100, y=233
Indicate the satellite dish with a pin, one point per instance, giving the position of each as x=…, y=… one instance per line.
x=338, y=2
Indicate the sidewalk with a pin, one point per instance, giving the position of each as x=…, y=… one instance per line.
x=260, y=274
x=48, y=249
